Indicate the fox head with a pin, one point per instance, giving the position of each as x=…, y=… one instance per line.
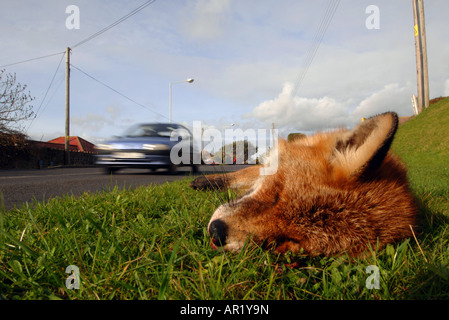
x=333, y=192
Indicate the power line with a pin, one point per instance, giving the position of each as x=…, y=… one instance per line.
x=143, y=6
x=61, y=80
x=48, y=89
x=330, y=11
x=32, y=59
x=318, y=38
x=121, y=94
x=130, y=14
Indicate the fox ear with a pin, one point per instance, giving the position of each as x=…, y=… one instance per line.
x=364, y=148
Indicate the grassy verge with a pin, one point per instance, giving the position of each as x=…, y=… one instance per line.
x=151, y=243
x=423, y=144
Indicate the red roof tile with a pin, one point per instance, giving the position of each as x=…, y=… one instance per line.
x=75, y=143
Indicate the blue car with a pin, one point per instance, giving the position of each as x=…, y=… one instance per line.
x=149, y=146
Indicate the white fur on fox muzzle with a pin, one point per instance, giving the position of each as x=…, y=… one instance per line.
x=219, y=230
x=227, y=210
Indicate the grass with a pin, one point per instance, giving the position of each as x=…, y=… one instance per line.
x=151, y=243
x=423, y=144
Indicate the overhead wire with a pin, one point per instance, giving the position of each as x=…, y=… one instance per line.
x=32, y=59
x=118, y=92
x=141, y=7
x=318, y=38
x=61, y=80
x=46, y=92
x=127, y=16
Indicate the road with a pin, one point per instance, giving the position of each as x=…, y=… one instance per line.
x=21, y=186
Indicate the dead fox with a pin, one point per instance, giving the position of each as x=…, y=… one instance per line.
x=333, y=192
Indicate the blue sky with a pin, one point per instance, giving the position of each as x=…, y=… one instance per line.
x=244, y=55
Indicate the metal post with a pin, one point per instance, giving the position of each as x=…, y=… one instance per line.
x=67, y=106
x=421, y=55
x=422, y=30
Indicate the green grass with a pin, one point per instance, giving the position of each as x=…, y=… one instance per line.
x=151, y=243
x=423, y=144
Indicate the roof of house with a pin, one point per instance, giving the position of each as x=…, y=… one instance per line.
x=75, y=142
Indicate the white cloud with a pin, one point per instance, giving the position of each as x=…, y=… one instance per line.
x=302, y=113
x=391, y=97
x=310, y=114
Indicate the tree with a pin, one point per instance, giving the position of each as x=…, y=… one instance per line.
x=245, y=146
x=295, y=136
x=14, y=103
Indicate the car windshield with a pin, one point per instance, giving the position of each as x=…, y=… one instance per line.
x=150, y=130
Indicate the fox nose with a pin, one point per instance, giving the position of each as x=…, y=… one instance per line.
x=218, y=232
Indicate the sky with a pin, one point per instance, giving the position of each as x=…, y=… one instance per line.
x=250, y=60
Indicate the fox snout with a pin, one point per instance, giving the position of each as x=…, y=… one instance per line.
x=218, y=232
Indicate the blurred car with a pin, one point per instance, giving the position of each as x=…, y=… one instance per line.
x=146, y=146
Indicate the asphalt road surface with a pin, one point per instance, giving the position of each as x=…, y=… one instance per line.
x=21, y=186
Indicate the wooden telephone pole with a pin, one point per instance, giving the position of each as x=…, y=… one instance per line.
x=67, y=106
x=421, y=55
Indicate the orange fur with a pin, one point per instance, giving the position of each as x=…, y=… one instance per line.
x=333, y=192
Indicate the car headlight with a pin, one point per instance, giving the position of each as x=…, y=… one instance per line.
x=104, y=147
x=156, y=147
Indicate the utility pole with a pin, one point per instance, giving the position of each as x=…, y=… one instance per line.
x=421, y=55
x=67, y=106
x=424, y=52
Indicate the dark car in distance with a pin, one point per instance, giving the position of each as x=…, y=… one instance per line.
x=147, y=145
